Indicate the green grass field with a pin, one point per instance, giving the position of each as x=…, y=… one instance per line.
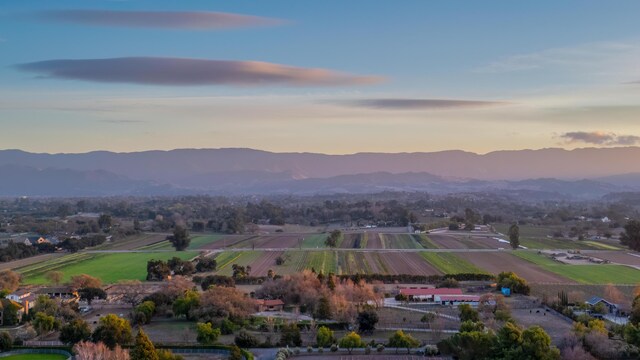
x=314, y=241
x=584, y=274
x=325, y=261
x=449, y=263
x=35, y=357
x=110, y=268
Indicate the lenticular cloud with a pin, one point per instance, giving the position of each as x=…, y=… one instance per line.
x=185, y=72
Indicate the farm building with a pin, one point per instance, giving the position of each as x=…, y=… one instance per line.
x=472, y=300
x=429, y=294
x=269, y=305
x=63, y=293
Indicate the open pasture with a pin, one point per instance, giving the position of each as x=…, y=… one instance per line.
x=110, y=268
x=584, y=274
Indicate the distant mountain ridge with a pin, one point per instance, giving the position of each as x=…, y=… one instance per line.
x=580, y=173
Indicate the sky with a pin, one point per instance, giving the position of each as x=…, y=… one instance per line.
x=325, y=76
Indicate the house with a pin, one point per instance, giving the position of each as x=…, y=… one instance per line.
x=269, y=305
x=611, y=307
x=25, y=298
x=10, y=312
x=428, y=294
x=35, y=240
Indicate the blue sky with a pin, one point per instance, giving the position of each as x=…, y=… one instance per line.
x=480, y=76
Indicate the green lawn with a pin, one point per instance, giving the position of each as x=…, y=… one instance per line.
x=35, y=357
x=585, y=274
x=110, y=268
x=314, y=241
x=449, y=263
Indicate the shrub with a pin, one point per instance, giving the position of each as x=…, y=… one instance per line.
x=334, y=348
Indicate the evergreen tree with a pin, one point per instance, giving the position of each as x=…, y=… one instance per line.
x=143, y=348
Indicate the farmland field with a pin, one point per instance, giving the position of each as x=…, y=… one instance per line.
x=323, y=261
x=585, y=274
x=496, y=262
x=109, y=268
x=449, y=263
x=409, y=263
x=314, y=241
x=400, y=241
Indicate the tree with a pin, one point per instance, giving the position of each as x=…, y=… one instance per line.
x=428, y=318
x=84, y=281
x=351, y=341
x=54, y=277
x=87, y=350
x=44, y=323
x=323, y=310
x=105, y=222
x=75, y=331
x=157, y=270
x=245, y=340
x=290, y=335
x=235, y=353
x=367, y=320
x=185, y=304
x=333, y=239
x=536, y=344
x=631, y=235
x=143, y=313
x=9, y=280
x=6, y=341
x=324, y=337
x=514, y=236
x=180, y=238
x=207, y=334
x=91, y=293
x=112, y=330
x=143, y=348
x=401, y=340
x=206, y=264
x=467, y=313
x=512, y=281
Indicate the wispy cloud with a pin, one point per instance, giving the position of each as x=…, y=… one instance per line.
x=186, y=71
x=191, y=20
x=592, y=55
x=600, y=138
x=419, y=104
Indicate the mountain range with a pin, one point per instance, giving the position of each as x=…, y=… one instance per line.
x=580, y=173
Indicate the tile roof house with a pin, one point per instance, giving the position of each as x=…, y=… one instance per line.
x=269, y=305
